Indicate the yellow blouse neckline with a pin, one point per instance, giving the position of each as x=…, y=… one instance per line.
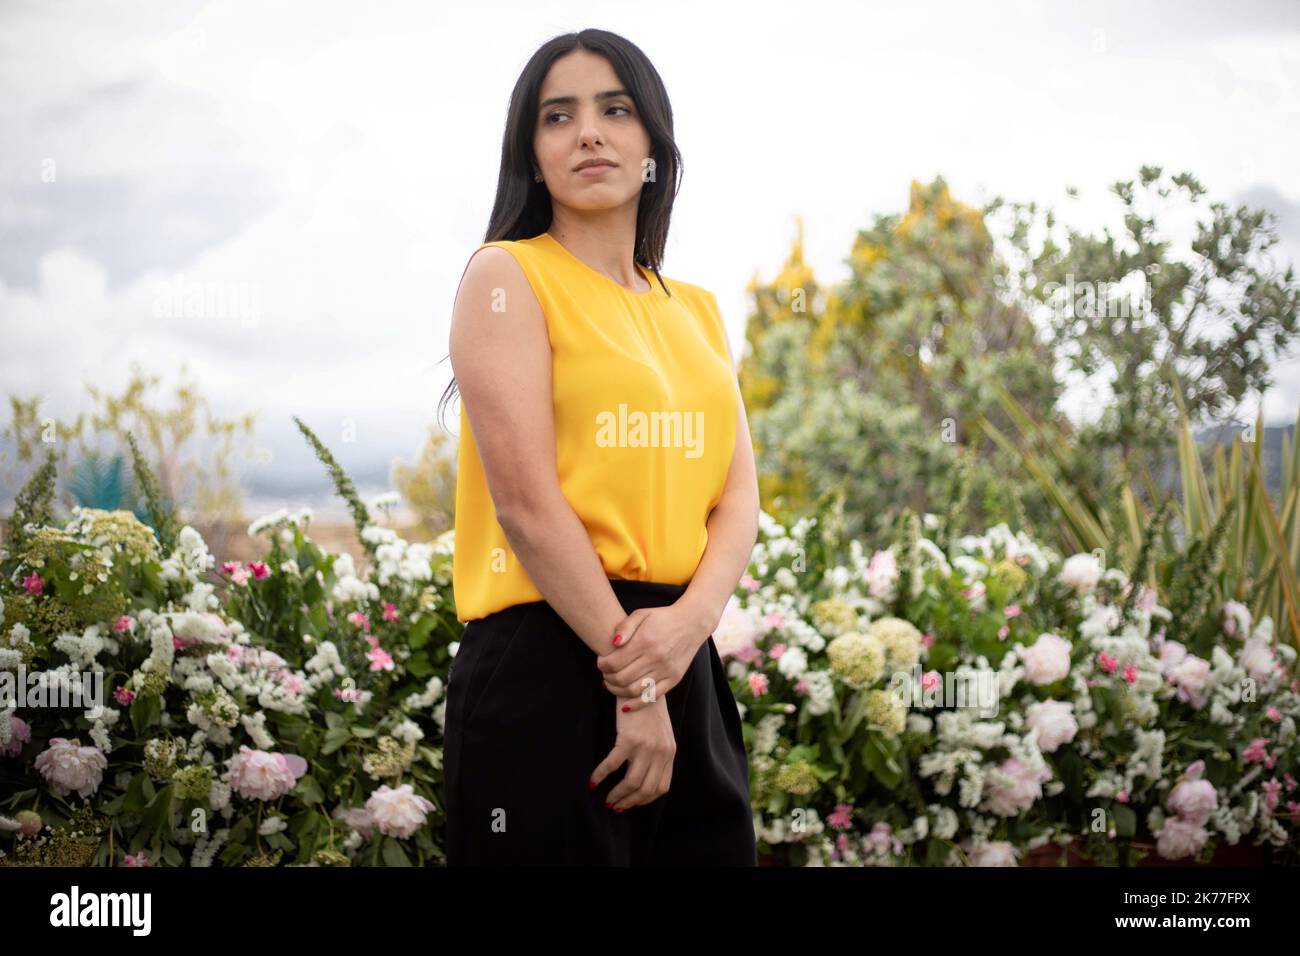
x=654, y=285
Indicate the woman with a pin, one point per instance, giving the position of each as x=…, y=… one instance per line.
x=606, y=497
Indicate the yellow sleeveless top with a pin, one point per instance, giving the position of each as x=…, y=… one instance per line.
x=646, y=407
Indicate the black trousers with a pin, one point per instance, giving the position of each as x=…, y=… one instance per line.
x=528, y=720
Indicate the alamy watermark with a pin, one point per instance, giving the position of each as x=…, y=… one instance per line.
x=636, y=429
x=22, y=689
x=977, y=689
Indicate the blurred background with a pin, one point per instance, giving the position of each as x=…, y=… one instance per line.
x=996, y=246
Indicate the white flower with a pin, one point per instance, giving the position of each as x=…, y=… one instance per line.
x=1055, y=723
x=1048, y=660
x=998, y=853
x=397, y=812
x=1081, y=572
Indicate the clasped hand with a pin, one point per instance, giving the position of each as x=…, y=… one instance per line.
x=653, y=650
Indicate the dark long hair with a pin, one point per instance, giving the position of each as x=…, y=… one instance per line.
x=523, y=206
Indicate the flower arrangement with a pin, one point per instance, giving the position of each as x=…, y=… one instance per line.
x=923, y=707
x=281, y=711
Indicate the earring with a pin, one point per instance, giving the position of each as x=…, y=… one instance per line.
x=537, y=177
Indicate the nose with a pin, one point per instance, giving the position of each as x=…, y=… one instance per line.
x=590, y=134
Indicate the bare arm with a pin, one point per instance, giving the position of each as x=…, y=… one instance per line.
x=502, y=361
x=733, y=530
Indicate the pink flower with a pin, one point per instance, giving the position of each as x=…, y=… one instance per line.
x=1180, y=838
x=882, y=839
x=1106, y=662
x=749, y=583
x=259, y=569
x=1272, y=792
x=995, y=853
x=1289, y=781
x=124, y=696
x=359, y=619
x=67, y=766
x=842, y=818
x=240, y=577
x=1014, y=787
x=19, y=734
x=1047, y=660
x=140, y=859
x=802, y=688
x=390, y=611
x=122, y=624
x=33, y=584
x=259, y=775
x=1011, y=610
x=290, y=681
x=757, y=683
x=1121, y=797
x=380, y=659
x=230, y=567
x=927, y=640
x=1003, y=631
x=1055, y=723
x=1273, y=714
x=1192, y=798
x=929, y=680
x=1130, y=673
x=773, y=620
x=736, y=631
x=1256, y=752
x=348, y=694
x=882, y=575
x=775, y=651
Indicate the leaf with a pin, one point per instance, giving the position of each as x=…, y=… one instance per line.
x=335, y=738
x=394, y=855
x=309, y=791
x=1125, y=820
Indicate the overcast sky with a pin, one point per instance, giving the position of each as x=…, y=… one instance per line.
x=337, y=163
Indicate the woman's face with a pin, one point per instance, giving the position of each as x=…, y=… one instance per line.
x=577, y=121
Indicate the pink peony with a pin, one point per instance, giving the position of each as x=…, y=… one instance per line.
x=882, y=575
x=1192, y=798
x=1180, y=838
x=19, y=734
x=124, y=696
x=397, y=813
x=757, y=683
x=33, y=584
x=1047, y=661
x=997, y=853
x=122, y=624
x=1014, y=788
x=67, y=766
x=259, y=775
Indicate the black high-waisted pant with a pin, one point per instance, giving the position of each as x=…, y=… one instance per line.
x=527, y=721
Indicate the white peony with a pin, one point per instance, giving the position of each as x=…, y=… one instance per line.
x=1055, y=723
x=1081, y=572
x=397, y=812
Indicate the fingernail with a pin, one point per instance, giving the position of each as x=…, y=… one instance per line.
x=626, y=708
x=591, y=784
x=617, y=638
x=604, y=685
x=618, y=809
x=608, y=805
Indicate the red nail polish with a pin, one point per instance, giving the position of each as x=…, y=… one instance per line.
x=617, y=638
x=604, y=685
x=626, y=708
x=618, y=809
x=608, y=805
x=591, y=784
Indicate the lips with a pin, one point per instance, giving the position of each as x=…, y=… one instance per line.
x=595, y=165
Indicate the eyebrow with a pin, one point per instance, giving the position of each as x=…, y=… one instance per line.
x=570, y=100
